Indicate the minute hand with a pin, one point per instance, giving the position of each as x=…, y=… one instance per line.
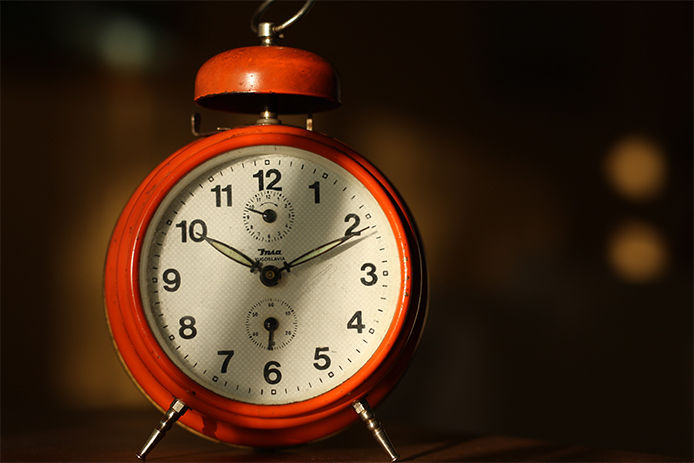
x=320, y=250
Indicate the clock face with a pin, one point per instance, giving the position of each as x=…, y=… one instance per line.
x=270, y=275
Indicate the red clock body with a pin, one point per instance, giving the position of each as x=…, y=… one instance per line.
x=323, y=321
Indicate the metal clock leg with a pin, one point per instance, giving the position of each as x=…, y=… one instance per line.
x=367, y=415
x=175, y=411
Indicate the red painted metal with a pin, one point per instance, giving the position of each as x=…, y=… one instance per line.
x=221, y=418
x=245, y=79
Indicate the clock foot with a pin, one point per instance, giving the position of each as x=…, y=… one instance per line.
x=175, y=411
x=365, y=412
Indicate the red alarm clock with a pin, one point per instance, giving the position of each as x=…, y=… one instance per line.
x=265, y=284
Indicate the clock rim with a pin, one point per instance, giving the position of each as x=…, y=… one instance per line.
x=156, y=375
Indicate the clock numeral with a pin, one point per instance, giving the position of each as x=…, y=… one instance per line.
x=355, y=322
x=270, y=173
x=228, y=355
x=354, y=225
x=172, y=278
x=197, y=231
x=272, y=375
x=278, y=176
x=320, y=356
x=187, y=329
x=218, y=195
x=370, y=272
x=315, y=186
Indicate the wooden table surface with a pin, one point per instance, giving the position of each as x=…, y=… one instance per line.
x=116, y=436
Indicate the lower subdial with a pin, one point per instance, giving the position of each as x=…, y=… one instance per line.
x=271, y=324
x=268, y=216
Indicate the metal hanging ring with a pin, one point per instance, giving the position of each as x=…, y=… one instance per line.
x=255, y=20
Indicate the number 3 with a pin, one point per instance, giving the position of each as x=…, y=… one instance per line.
x=370, y=272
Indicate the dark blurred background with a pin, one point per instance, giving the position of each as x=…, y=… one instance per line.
x=544, y=148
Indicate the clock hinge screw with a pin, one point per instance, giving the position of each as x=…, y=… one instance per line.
x=175, y=411
x=266, y=34
x=367, y=415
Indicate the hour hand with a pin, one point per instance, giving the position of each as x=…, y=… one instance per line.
x=269, y=215
x=234, y=254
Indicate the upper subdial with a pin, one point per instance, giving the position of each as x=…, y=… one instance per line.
x=268, y=216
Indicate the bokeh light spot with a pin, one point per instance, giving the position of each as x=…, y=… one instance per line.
x=126, y=44
x=637, y=252
x=636, y=168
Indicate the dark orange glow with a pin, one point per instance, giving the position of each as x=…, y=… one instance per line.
x=636, y=168
x=637, y=252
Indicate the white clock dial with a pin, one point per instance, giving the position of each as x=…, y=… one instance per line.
x=309, y=325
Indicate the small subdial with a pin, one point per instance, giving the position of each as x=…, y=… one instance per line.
x=268, y=216
x=271, y=324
